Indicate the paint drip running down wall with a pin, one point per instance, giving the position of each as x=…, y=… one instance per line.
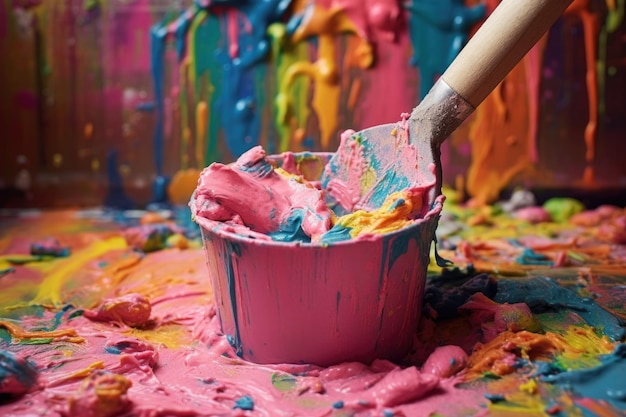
x=122, y=102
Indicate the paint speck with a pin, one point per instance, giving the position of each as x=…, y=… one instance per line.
x=244, y=403
x=338, y=405
x=618, y=394
x=388, y=413
x=495, y=398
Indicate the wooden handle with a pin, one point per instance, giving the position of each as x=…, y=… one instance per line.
x=500, y=43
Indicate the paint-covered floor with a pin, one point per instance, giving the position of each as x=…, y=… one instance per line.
x=538, y=308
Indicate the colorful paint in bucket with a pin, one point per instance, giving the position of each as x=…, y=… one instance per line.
x=294, y=302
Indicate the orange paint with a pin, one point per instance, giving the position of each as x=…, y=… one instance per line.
x=202, y=111
x=68, y=335
x=582, y=9
x=495, y=357
x=501, y=138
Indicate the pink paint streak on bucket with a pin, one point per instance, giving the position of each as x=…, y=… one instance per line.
x=355, y=300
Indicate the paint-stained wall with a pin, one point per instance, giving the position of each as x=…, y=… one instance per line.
x=107, y=101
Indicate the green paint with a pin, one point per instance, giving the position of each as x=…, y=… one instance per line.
x=613, y=20
x=283, y=382
x=562, y=208
x=204, y=38
x=292, y=103
x=37, y=341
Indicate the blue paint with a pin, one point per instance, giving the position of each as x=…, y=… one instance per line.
x=259, y=168
x=6, y=271
x=291, y=228
x=603, y=382
x=308, y=143
x=115, y=196
x=41, y=249
x=233, y=248
x=337, y=233
x=180, y=32
x=58, y=317
x=158, y=35
x=159, y=189
x=529, y=256
x=338, y=405
x=438, y=29
x=16, y=370
x=396, y=205
x=388, y=413
x=389, y=182
x=495, y=398
x=145, y=106
x=543, y=293
x=118, y=348
x=244, y=403
x=446, y=294
x=238, y=102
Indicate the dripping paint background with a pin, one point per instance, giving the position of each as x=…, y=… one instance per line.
x=112, y=99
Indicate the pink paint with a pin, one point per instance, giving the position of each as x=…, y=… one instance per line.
x=232, y=16
x=494, y=318
x=535, y=214
x=250, y=194
x=305, y=303
x=385, y=95
x=374, y=19
x=198, y=380
x=445, y=361
x=127, y=39
x=347, y=192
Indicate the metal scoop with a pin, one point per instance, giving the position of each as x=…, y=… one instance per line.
x=500, y=43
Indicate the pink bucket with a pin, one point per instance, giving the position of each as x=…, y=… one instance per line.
x=305, y=303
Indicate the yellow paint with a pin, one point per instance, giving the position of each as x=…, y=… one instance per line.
x=202, y=111
x=50, y=289
x=385, y=219
x=325, y=24
x=109, y=389
x=172, y=336
x=186, y=66
x=529, y=387
x=367, y=179
x=580, y=347
x=520, y=404
x=81, y=374
x=17, y=333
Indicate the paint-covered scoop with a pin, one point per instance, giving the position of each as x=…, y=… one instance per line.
x=500, y=43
